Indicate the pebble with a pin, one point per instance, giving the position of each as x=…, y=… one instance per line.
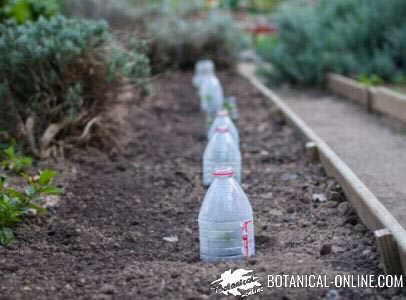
x=319, y=197
x=170, y=239
x=332, y=295
x=275, y=212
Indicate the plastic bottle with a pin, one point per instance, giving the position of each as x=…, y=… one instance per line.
x=226, y=225
x=202, y=69
x=223, y=120
x=211, y=96
x=221, y=152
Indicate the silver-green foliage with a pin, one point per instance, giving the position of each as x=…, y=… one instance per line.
x=345, y=36
x=58, y=69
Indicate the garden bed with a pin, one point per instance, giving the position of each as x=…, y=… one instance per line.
x=106, y=239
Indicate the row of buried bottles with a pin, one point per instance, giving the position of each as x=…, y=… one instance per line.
x=226, y=227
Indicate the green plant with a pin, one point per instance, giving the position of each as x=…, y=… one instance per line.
x=28, y=10
x=370, y=80
x=15, y=204
x=15, y=162
x=342, y=36
x=60, y=77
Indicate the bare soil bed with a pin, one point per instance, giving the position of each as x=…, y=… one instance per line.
x=105, y=240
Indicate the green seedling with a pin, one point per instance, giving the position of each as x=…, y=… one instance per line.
x=370, y=80
x=15, y=162
x=230, y=107
x=15, y=204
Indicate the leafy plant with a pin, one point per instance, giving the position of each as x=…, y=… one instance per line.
x=370, y=80
x=15, y=162
x=28, y=10
x=342, y=36
x=15, y=204
x=60, y=77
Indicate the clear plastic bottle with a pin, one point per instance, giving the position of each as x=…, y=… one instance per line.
x=211, y=96
x=202, y=69
x=226, y=224
x=221, y=152
x=223, y=120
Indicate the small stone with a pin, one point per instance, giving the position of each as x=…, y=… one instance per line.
x=290, y=210
x=325, y=249
x=264, y=153
x=171, y=239
x=275, y=212
x=332, y=295
x=319, y=197
x=366, y=252
x=343, y=208
x=32, y=212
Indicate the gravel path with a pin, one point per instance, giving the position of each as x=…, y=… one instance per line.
x=372, y=146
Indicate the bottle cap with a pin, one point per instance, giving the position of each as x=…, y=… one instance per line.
x=226, y=172
x=223, y=129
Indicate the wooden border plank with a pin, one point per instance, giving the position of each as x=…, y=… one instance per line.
x=389, y=251
x=348, y=88
x=389, y=102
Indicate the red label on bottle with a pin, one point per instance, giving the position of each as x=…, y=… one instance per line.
x=245, y=237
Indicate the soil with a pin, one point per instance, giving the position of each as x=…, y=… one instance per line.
x=106, y=238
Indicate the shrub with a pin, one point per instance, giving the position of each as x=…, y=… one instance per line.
x=28, y=10
x=348, y=37
x=179, y=42
x=60, y=76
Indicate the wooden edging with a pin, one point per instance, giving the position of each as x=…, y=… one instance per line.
x=380, y=99
x=371, y=211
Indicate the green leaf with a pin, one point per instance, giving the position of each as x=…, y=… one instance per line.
x=10, y=152
x=6, y=236
x=50, y=190
x=46, y=176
